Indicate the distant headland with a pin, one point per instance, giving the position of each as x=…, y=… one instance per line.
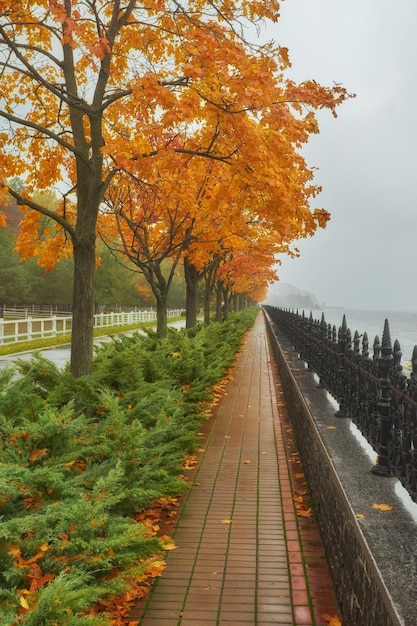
x=288, y=296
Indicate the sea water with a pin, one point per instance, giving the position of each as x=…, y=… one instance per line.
x=402, y=326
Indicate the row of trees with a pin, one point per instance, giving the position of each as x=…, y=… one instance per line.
x=164, y=131
x=25, y=282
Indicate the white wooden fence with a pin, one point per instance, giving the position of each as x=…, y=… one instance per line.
x=15, y=331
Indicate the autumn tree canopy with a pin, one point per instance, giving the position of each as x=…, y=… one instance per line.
x=91, y=90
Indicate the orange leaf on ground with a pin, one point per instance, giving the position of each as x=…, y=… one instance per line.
x=332, y=620
x=383, y=507
x=304, y=510
x=156, y=568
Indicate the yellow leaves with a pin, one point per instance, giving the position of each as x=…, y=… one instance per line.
x=180, y=81
x=285, y=60
x=36, y=454
x=14, y=551
x=23, y=602
x=331, y=620
x=35, y=576
x=190, y=463
x=383, y=507
x=168, y=544
x=226, y=521
x=303, y=510
x=378, y=507
x=321, y=216
x=155, y=568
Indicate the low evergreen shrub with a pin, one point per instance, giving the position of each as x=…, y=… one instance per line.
x=81, y=460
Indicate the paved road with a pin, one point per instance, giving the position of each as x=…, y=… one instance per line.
x=60, y=355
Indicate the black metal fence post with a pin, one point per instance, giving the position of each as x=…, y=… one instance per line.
x=342, y=342
x=323, y=337
x=385, y=359
x=373, y=391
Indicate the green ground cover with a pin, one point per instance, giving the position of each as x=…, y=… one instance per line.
x=81, y=460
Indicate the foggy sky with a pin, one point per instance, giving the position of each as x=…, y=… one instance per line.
x=367, y=156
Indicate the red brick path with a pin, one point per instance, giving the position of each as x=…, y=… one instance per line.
x=248, y=549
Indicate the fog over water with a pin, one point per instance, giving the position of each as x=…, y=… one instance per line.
x=367, y=157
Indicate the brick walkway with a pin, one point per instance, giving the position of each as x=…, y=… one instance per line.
x=248, y=550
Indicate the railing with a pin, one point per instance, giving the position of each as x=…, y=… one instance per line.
x=371, y=390
x=34, y=310
x=18, y=330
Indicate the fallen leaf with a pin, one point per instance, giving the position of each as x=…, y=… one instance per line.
x=332, y=620
x=35, y=454
x=247, y=461
x=331, y=427
x=168, y=544
x=360, y=515
x=190, y=463
x=226, y=521
x=156, y=568
x=303, y=510
x=23, y=602
x=383, y=507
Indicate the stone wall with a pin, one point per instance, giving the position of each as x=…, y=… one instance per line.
x=372, y=554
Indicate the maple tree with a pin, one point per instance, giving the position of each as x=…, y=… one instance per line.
x=90, y=89
x=149, y=226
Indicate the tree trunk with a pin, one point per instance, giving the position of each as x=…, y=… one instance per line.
x=161, y=316
x=83, y=308
x=207, y=296
x=191, y=280
x=219, y=301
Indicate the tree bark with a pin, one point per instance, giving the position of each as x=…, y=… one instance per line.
x=219, y=301
x=83, y=308
x=191, y=280
x=207, y=296
x=161, y=316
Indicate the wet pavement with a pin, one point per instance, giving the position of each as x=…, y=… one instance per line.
x=246, y=552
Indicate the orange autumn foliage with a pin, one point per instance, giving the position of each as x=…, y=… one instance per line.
x=95, y=94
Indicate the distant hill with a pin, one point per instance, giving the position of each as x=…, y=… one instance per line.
x=288, y=296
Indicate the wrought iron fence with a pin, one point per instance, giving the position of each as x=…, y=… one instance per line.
x=372, y=390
